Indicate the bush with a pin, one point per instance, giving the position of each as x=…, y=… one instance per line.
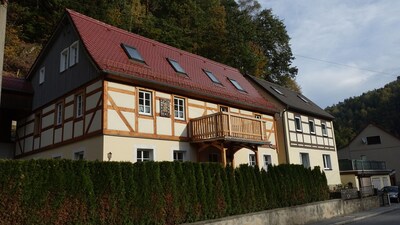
x=81, y=192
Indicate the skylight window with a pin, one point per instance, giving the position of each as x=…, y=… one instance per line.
x=277, y=90
x=212, y=77
x=303, y=98
x=177, y=67
x=132, y=53
x=237, y=85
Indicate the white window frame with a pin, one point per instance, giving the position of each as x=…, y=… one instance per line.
x=252, y=159
x=79, y=105
x=267, y=161
x=298, y=119
x=324, y=129
x=147, y=97
x=141, y=158
x=311, y=125
x=74, y=53
x=79, y=153
x=176, y=158
x=59, y=113
x=42, y=73
x=302, y=162
x=64, y=60
x=223, y=108
x=327, y=162
x=179, y=108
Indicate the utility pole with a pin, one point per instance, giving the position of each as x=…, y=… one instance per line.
x=3, y=18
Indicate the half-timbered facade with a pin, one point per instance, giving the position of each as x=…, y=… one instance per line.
x=101, y=93
x=305, y=131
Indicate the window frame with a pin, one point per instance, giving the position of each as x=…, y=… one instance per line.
x=298, y=124
x=79, y=154
x=144, y=99
x=236, y=84
x=79, y=106
x=212, y=77
x=223, y=108
x=59, y=111
x=327, y=161
x=177, y=153
x=176, y=66
x=64, y=59
x=374, y=140
x=311, y=126
x=308, y=165
x=142, y=158
x=179, y=105
x=74, y=58
x=324, y=129
x=42, y=75
x=267, y=163
x=132, y=53
x=252, y=159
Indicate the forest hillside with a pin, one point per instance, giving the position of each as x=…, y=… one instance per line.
x=237, y=33
x=380, y=107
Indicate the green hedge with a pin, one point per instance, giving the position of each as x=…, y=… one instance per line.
x=83, y=192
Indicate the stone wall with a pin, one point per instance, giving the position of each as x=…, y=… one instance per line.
x=302, y=214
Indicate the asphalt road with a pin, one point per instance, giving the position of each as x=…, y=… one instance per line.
x=390, y=218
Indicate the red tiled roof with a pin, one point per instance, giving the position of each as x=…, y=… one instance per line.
x=16, y=84
x=103, y=42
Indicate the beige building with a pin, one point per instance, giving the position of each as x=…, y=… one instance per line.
x=305, y=131
x=374, y=143
x=101, y=93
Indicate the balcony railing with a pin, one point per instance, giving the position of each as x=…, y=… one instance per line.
x=361, y=165
x=226, y=126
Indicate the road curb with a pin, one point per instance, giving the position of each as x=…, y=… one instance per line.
x=357, y=218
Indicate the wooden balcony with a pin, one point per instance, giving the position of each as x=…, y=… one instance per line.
x=228, y=127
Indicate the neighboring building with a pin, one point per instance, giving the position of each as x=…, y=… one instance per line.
x=367, y=174
x=374, y=143
x=102, y=93
x=305, y=131
x=15, y=103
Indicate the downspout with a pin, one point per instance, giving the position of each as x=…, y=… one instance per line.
x=285, y=138
x=3, y=18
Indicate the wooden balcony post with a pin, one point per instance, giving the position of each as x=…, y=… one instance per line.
x=223, y=154
x=257, y=159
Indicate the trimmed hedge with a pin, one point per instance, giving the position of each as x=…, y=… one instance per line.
x=84, y=192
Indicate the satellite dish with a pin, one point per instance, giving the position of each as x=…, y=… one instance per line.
x=364, y=140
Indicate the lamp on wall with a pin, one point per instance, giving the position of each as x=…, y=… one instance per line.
x=109, y=155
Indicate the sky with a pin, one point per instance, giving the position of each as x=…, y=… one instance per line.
x=343, y=48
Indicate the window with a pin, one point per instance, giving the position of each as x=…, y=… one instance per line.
x=74, y=53
x=237, y=85
x=257, y=116
x=179, y=156
x=144, y=155
x=59, y=113
x=37, y=124
x=13, y=130
x=373, y=140
x=305, y=160
x=179, y=107
x=267, y=162
x=144, y=102
x=42, y=75
x=79, y=155
x=132, y=53
x=252, y=159
x=312, y=126
x=213, y=157
x=223, y=109
x=79, y=106
x=212, y=77
x=297, y=123
x=277, y=90
x=323, y=128
x=64, y=59
x=176, y=66
x=327, y=162
x=59, y=157
x=303, y=98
